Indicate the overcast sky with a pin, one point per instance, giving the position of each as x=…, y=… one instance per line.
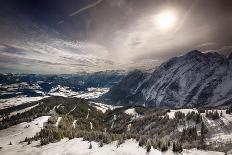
x=68, y=36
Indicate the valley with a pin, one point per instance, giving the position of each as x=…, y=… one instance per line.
x=139, y=112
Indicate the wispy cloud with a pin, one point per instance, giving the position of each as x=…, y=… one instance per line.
x=82, y=9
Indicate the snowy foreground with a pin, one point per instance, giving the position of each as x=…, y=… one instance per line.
x=77, y=146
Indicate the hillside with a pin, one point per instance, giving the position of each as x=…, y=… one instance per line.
x=193, y=80
x=54, y=119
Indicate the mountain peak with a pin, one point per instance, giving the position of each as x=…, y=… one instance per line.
x=194, y=52
x=178, y=82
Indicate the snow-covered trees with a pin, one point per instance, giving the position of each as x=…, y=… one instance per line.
x=148, y=145
x=177, y=147
x=212, y=114
x=90, y=145
x=101, y=143
x=229, y=110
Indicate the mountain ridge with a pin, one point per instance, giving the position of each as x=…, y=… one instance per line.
x=191, y=80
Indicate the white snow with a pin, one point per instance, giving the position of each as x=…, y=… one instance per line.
x=226, y=118
x=171, y=114
x=74, y=123
x=91, y=125
x=92, y=93
x=53, y=111
x=131, y=111
x=87, y=114
x=221, y=137
x=19, y=132
x=79, y=147
x=71, y=110
x=14, y=101
x=58, y=121
x=114, y=119
x=103, y=107
x=67, y=92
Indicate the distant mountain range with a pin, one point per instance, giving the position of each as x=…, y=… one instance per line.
x=12, y=85
x=192, y=80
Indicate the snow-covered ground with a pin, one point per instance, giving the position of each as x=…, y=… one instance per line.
x=92, y=93
x=76, y=146
x=14, y=101
x=66, y=92
x=221, y=127
x=58, y=91
x=58, y=121
x=79, y=147
x=103, y=107
x=132, y=112
x=19, y=132
x=171, y=114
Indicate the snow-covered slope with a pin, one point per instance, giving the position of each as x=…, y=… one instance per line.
x=79, y=147
x=19, y=132
x=194, y=79
x=219, y=130
x=57, y=91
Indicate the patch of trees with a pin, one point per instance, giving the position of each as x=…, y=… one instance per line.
x=229, y=110
x=189, y=134
x=153, y=124
x=156, y=143
x=47, y=104
x=52, y=119
x=212, y=114
x=177, y=147
x=201, y=110
x=42, y=109
x=196, y=117
x=179, y=115
x=7, y=111
x=119, y=124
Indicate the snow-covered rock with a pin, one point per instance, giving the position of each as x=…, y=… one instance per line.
x=194, y=79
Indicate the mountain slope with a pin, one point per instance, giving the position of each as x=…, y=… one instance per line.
x=194, y=79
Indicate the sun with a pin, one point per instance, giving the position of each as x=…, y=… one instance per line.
x=166, y=19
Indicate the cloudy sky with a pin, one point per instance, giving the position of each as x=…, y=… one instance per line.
x=69, y=36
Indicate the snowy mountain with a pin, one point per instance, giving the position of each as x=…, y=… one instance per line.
x=33, y=85
x=192, y=80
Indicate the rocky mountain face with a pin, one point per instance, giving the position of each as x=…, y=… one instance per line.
x=192, y=80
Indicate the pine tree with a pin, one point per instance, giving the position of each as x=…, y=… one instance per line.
x=177, y=147
x=141, y=141
x=120, y=141
x=148, y=145
x=101, y=143
x=90, y=146
x=164, y=147
x=29, y=142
